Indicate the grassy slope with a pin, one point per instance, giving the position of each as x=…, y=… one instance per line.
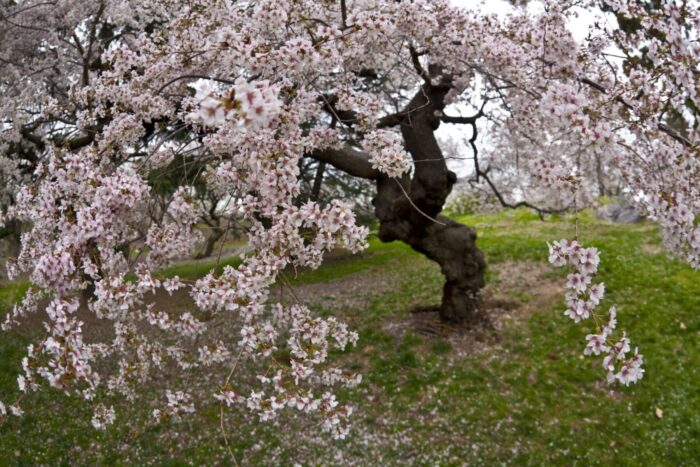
x=528, y=398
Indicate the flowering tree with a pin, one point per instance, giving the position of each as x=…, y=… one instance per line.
x=100, y=97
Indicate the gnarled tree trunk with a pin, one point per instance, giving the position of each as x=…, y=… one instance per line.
x=416, y=221
x=409, y=208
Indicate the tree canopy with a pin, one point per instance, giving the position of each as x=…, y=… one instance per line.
x=101, y=99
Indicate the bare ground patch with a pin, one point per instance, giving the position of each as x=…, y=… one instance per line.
x=651, y=248
x=520, y=290
x=356, y=290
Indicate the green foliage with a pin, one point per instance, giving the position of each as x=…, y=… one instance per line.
x=180, y=171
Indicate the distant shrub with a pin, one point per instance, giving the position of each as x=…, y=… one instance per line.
x=466, y=200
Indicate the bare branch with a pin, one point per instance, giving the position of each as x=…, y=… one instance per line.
x=349, y=160
x=522, y=204
x=675, y=135
x=471, y=120
x=484, y=173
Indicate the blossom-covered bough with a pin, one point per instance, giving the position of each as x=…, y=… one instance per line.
x=99, y=98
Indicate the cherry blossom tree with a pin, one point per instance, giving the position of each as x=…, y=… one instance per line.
x=98, y=98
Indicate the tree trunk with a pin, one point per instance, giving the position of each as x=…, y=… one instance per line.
x=599, y=174
x=416, y=221
x=453, y=247
x=214, y=236
x=318, y=181
x=10, y=243
x=450, y=244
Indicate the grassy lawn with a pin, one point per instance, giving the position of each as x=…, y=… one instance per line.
x=518, y=394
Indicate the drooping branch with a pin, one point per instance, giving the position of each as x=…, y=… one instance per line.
x=520, y=204
x=471, y=120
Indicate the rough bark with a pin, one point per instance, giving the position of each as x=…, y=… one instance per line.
x=453, y=247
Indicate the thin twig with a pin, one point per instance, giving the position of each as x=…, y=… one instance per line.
x=289, y=286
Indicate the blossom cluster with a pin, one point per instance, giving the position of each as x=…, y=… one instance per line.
x=179, y=402
x=255, y=103
x=554, y=176
x=676, y=216
x=103, y=417
x=292, y=385
x=386, y=152
x=582, y=298
x=572, y=108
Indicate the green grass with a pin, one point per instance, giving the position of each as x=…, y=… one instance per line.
x=376, y=255
x=11, y=293
x=197, y=269
x=525, y=398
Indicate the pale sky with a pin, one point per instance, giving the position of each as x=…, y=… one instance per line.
x=579, y=27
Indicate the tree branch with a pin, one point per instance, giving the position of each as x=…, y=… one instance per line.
x=484, y=173
x=349, y=117
x=459, y=120
x=471, y=120
x=415, y=59
x=344, y=14
x=179, y=78
x=349, y=160
x=675, y=135
x=522, y=204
